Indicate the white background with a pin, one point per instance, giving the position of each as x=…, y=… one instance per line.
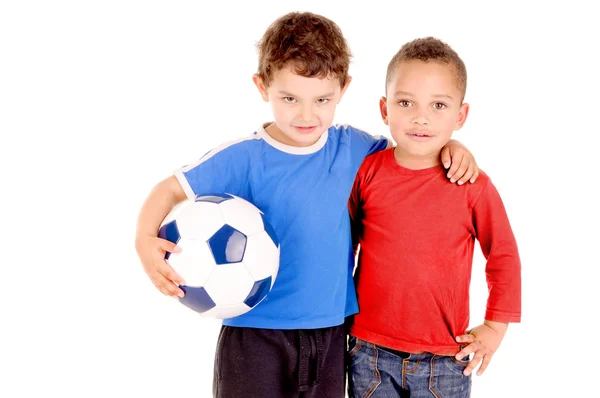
x=99, y=100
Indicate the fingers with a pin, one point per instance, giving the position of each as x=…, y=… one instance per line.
x=471, y=171
x=484, y=364
x=456, y=163
x=165, y=278
x=446, y=157
x=165, y=286
x=171, y=275
x=169, y=246
x=482, y=354
x=473, y=363
x=466, y=338
x=168, y=279
x=152, y=253
x=468, y=350
x=475, y=171
x=163, y=267
x=461, y=170
x=468, y=174
x=463, y=167
x=475, y=175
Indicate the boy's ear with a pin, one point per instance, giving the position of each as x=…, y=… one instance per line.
x=260, y=84
x=345, y=87
x=383, y=109
x=462, y=116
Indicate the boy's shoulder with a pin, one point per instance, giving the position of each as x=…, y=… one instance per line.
x=245, y=150
x=350, y=132
x=360, y=143
x=244, y=144
x=474, y=190
x=373, y=163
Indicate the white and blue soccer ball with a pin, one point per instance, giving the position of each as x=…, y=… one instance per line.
x=229, y=254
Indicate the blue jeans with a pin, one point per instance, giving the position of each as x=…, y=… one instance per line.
x=376, y=371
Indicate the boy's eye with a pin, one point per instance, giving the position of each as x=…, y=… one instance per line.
x=322, y=101
x=289, y=100
x=404, y=103
x=439, y=105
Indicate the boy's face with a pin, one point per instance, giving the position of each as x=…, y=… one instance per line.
x=423, y=107
x=303, y=107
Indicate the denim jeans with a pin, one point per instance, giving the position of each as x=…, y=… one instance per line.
x=376, y=371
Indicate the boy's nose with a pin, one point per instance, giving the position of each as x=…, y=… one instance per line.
x=421, y=119
x=307, y=113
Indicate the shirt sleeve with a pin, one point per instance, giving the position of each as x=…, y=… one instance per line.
x=355, y=209
x=364, y=144
x=223, y=170
x=503, y=267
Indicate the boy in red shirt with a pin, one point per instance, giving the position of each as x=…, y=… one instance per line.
x=417, y=234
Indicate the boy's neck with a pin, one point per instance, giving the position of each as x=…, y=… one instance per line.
x=414, y=162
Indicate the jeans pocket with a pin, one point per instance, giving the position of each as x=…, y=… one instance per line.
x=457, y=365
x=363, y=374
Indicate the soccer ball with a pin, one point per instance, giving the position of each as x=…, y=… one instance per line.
x=229, y=254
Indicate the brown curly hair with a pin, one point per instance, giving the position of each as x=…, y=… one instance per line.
x=430, y=49
x=312, y=44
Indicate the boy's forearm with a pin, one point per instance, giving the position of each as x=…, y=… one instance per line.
x=159, y=202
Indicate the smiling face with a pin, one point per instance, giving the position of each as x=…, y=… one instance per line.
x=423, y=107
x=303, y=107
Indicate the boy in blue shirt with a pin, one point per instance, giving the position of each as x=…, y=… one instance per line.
x=299, y=171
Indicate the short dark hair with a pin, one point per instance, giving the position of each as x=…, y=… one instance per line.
x=430, y=49
x=312, y=44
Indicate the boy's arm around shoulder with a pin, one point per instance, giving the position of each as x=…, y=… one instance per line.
x=150, y=248
x=455, y=157
x=460, y=163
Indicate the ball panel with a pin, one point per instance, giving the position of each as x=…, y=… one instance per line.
x=196, y=298
x=249, y=206
x=259, y=292
x=270, y=231
x=242, y=215
x=170, y=232
x=199, y=220
x=213, y=198
x=229, y=284
x=227, y=311
x=194, y=263
x=262, y=257
x=227, y=245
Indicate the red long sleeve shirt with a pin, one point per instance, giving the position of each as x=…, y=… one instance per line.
x=417, y=233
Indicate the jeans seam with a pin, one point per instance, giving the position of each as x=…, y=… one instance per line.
x=356, y=347
x=375, y=372
x=404, y=363
x=416, y=367
x=431, y=378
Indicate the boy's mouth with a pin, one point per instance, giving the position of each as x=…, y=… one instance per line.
x=419, y=135
x=306, y=130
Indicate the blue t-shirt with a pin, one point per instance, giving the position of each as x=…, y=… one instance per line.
x=303, y=192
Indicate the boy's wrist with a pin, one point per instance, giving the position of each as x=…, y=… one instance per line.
x=498, y=327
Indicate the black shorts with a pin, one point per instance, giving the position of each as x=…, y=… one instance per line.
x=257, y=363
